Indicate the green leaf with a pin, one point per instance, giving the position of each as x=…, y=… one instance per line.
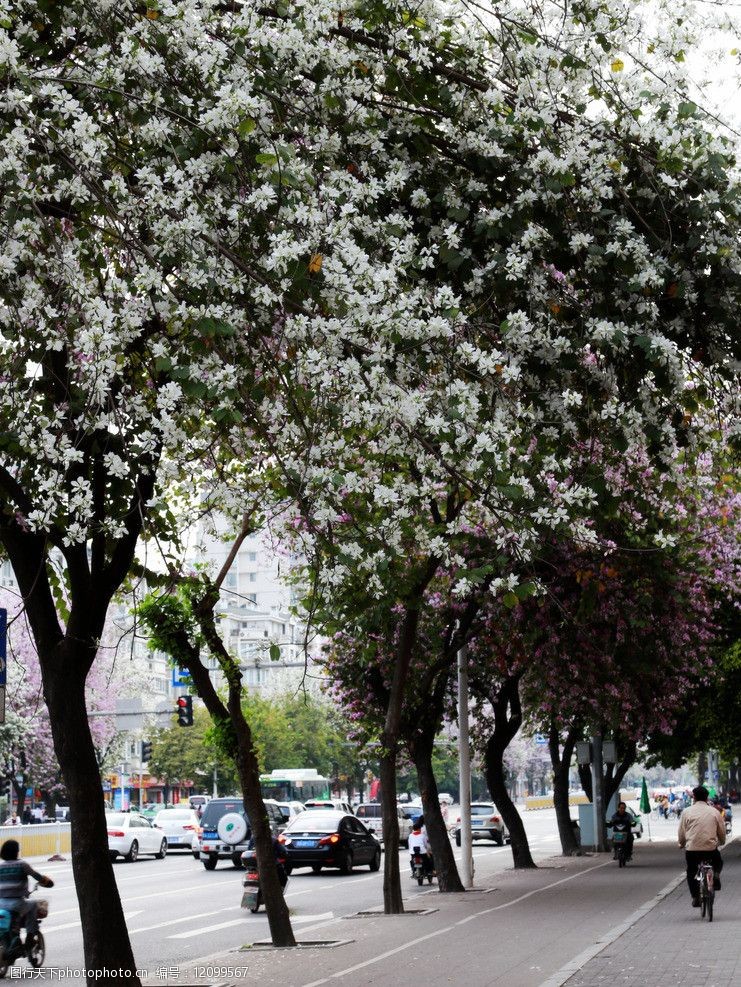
x=247, y=126
x=274, y=652
x=510, y=600
x=266, y=159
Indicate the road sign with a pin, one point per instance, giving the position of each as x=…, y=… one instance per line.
x=180, y=678
x=541, y=740
x=3, y=646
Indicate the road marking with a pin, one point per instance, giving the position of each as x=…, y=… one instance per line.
x=450, y=928
x=208, y=928
x=311, y=918
x=178, y=921
x=76, y=925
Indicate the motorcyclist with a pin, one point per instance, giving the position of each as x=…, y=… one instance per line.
x=419, y=843
x=249, y=857
x=14, y=875
x=622, y=820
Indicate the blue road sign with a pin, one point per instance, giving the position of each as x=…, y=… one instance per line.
x=541, y=740
x=180, y=679
x=3, y=646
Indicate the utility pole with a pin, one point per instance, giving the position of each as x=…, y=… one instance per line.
x=598, y=796
x=464, y=770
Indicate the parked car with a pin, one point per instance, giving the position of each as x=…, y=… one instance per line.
x=130, y=835
x=327, y=838
x=198, y=802
x=335, y=805
x=291, y=809
x=224, y=837
x=370, y=814
x=486, y=824
x=180, y=826
x=62, y=813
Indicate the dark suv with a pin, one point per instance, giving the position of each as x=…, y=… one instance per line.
x=212, y=846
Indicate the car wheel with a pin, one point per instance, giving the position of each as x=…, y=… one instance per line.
x=457, y=837
x=133, y=853
x=375, y=864
x=210, y=862
x=113, y=855
x=237, y=861
x=162, y=852
x=316, y=868
x=346, y=864
x=498, y=837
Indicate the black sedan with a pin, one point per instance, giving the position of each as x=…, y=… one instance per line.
x=329, y=839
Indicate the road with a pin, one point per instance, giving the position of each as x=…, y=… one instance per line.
x=177, y=911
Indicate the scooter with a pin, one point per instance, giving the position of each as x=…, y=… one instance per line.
x=421, y=868
x=252, y=895
x=15, y=944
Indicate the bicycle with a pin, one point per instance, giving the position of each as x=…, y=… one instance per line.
x=706, y=880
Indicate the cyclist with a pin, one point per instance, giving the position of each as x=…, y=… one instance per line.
x=419, y=843
x=701, y=832
x=622, y=820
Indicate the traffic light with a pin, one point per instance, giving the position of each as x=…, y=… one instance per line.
x=146, y=751
x=185, y=711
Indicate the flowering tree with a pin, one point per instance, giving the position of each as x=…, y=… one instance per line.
x=26, y=746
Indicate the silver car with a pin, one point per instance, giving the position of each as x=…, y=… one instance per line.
x=370, y=815
x=486, y=824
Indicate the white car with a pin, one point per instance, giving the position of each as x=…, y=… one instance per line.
x=180, y=827
x=291, y=809
x=334, y=805
x=486, y=824
x=369, y=814
x=130, y=835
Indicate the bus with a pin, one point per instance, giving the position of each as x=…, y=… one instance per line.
x=294, y=785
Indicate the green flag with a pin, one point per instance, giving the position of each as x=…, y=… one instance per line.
x=645, y=805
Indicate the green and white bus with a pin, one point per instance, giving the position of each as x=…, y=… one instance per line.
x=294, y=785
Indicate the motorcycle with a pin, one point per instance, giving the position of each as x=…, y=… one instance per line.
x=252, y=895
x=421, y=868
x=620, y=846
x=15, y=944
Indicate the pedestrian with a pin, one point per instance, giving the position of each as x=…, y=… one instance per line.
x=27, y=816
x=701, y=832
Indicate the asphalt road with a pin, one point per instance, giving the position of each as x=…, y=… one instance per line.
x=177, y=911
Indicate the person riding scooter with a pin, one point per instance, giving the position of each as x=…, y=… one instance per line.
x=14, y=875
x=418, y=843
x=622, y=821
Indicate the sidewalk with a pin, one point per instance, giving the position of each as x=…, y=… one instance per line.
x=576, y=921
x=672, y=947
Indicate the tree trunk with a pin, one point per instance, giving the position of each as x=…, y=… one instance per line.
x=448, y=878
x=702, y=767
x=507, y=721
x=561, y=761
x=106, y=938
x=392, y=899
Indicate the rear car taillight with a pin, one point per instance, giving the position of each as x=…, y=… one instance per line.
x=327, y=840
x=494, y=819
x=116, y=832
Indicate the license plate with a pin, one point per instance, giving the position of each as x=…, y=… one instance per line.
x=477, y=823
x=304, y=843
x=173, y=839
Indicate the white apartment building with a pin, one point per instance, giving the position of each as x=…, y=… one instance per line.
x=258, y=623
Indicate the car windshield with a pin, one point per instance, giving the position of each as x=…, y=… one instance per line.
x=116, y=818
x=316, y=822
x=173, y=814
x=482, y=810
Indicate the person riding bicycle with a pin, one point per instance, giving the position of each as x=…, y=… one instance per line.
x=418, y=843
x=14, y=875
x=701, y=832
x=622, y=822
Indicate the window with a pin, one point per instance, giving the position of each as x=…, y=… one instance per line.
x=252, y=597
x=231, y=580
x=252, y=577
x=251, y=556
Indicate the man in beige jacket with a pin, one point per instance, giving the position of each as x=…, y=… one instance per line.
x=701, y=831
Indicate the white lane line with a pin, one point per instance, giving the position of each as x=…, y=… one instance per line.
x=311, y=918
x=179, y=921
x=449, y=928
x=76, y=925
x=207, y=928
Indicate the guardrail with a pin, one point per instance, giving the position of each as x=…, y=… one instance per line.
x=39, y=840
x=546, y=801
